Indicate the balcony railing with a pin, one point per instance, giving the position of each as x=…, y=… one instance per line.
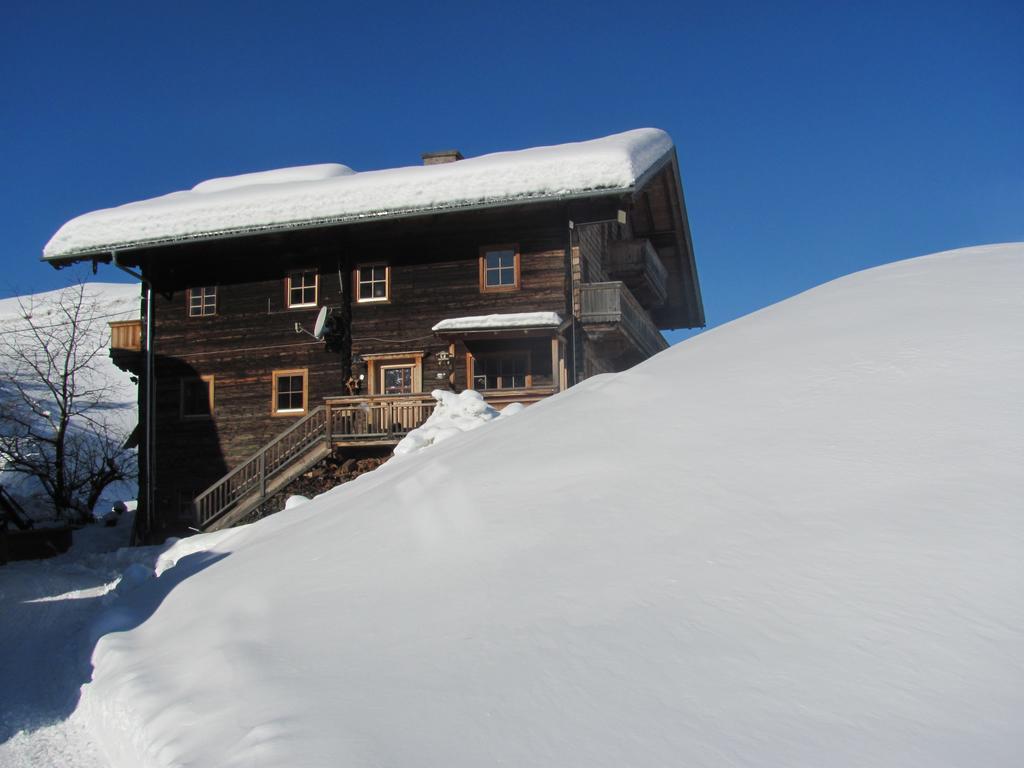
x=126, y=335
x=612, y=304
x=360, y=415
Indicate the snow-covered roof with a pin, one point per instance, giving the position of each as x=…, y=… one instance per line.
x=331, y=194
x=500, y=322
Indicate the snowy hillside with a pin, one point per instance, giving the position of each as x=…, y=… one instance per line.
x=791, y=541
x=106, y=302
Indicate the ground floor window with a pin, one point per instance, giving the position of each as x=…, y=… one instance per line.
x=396, y=379
x=197, y=397
x=501, y=371
x=290, y=392
x=393, y=373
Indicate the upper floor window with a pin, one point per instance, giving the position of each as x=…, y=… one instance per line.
x=202, y=301
x=499, y=268
x=301, y=288
x=197, y=397
x=373, y=282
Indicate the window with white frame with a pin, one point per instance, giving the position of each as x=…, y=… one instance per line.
x=301, y=288
x=373, y=283
x=396, y=379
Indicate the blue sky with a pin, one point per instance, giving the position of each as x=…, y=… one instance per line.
x=815, y=139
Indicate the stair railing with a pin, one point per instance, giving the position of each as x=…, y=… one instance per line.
x=253, y=474
x=375, y=422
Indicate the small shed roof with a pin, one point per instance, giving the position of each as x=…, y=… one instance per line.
x=500, y=322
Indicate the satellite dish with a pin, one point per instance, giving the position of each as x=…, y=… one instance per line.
x=321, y=323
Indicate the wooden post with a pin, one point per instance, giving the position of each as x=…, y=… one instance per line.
x=262, y=462
x=328, y=427
x=555, y=378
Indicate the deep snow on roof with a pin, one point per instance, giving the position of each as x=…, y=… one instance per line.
x=331, y=193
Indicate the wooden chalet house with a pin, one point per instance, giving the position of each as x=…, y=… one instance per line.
x=517, y=274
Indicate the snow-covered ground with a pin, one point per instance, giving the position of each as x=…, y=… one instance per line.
x=108, y=302
x=793, y=540
x=46, y=608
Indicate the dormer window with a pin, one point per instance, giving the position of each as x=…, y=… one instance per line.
x=301, y=288
x=499, y=268
x=373, y=283
x=202, y=302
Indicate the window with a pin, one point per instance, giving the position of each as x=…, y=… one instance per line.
x=393, y=373
x=501, y=372
x=197, y=397
x=202, y=301
x=499, y=268
x=301, y=288
x=396, y=379
x=290, y=390
x=373, y=283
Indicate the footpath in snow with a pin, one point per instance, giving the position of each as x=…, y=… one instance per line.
x=47, y=612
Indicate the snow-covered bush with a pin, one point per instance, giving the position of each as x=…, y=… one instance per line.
x=454, y=413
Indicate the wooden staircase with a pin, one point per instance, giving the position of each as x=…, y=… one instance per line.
x=280, y=461
x=380, y=420
x=340, y=421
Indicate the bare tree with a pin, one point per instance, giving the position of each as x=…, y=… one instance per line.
x=56, y=405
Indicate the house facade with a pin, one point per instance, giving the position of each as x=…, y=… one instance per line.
x=300, y=313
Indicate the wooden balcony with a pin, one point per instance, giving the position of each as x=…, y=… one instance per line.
x=126, y=345
x=127, y=335
x=637, y=264
x=386, y=419
x=374, y=420
x=613, y=317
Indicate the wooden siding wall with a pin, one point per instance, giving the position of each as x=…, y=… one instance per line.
x=434, y=275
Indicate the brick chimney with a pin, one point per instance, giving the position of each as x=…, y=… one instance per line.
x=446, y=156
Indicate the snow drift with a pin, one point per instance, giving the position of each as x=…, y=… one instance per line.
x=794, y=540
x=453, y=415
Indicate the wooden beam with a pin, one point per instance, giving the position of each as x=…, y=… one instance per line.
x=555, y=378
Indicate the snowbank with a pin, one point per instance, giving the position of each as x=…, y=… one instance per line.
x=454, y=413
x=793, y=540
x=331, y=193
